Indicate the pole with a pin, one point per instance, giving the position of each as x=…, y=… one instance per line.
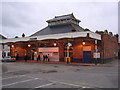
x=67, y=54
x=102, y=52
x=96, y=52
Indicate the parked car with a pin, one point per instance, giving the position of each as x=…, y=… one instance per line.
x=8, y=59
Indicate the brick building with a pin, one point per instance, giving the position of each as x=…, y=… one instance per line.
x=109, y=43
x=119, y=52
x=63, y=39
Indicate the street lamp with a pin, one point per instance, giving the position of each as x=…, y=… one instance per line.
x=12, y=46
x=83, y=43
x=69, y=44
x=55, y=44
x=29, y=45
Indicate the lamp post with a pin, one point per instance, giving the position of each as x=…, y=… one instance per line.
x=68, y=55
x=102, y=44
x=96, y=52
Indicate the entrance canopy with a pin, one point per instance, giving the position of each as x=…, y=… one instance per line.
x=55, y=36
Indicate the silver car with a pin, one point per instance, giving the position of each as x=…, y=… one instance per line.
x=8, y=59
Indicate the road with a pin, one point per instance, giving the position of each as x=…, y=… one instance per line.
x=38, y=75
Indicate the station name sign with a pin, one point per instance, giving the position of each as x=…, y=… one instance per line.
x=48, y=49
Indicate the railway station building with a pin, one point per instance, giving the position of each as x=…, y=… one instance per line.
x=64, y=39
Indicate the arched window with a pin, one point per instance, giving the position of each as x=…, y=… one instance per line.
x=68, y=50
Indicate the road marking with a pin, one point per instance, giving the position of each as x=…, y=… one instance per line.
x=20, y=82
x=31, y=77
x=85, y=87
x=45, y=85
x=12, y=77
x=16, y=77
x=56, y=81
x=70, y=84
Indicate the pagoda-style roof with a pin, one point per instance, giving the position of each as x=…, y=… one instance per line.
x=59, y=29
x=63, y=17
x=61, y=24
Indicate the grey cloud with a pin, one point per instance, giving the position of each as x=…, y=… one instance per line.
x=30, y=17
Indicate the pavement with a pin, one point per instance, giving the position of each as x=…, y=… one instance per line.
x=32, y=75
x=56, y=62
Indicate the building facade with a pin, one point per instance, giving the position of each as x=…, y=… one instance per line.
x=63, y=39
x=4, y=49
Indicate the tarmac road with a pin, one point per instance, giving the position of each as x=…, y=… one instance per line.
x=37, y=75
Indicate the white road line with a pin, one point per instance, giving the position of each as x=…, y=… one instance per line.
x=20, y=82
x=44, y=85
x=12, y=77
x=85, y=87
x=69, y=84
x=31, y=77
x=17, y=76
x=74, y=85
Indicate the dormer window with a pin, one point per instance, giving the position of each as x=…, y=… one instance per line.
x=73, y=30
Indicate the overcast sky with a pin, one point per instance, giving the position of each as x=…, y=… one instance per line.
x=30, y=17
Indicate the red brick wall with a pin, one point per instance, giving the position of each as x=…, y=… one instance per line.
x=77, y=47
x=77, y=50
x=110, y=46
x=19, y=48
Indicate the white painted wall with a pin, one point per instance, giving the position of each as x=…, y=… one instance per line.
x=55, y=36
x=0, y=55
x=6, y=49
x=0, y=51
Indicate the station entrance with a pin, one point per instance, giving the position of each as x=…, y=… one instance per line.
x=87, y=54
x=53, y=52
x=68, y=52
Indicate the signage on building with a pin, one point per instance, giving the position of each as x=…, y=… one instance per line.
x=87, y=48
x=96, y=55
x=48, y=49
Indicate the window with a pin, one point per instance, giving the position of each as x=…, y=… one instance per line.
x=73, y=30
x=42, y=45
x=3, y=54
x=8, y=54
x=68, y=50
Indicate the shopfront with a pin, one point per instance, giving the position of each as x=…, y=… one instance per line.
x=53, y=52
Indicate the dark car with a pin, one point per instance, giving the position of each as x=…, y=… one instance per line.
x=8, y=59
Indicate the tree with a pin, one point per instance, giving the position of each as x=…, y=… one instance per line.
x=23, y=35
x=16, y=36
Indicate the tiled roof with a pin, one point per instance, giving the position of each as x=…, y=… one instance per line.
x=68, y=16
x=58, y=29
